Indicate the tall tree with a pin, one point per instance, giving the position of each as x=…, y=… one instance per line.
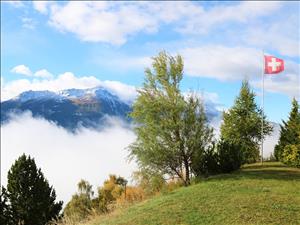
x=289, y=134
x=242, y=124
x=31, y=198
x=171, y=130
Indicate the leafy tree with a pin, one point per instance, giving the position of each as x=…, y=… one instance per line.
x=80, y=206
x=6, y=216
x=149, y=181
x=172, y=131
x=242, y=124
x=289, y=134
x=31, y=198
x=111, y=190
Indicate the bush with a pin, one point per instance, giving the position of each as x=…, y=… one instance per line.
x=207, y=162
x=291, y=155
x=229, y=156
x=151, y=182
x=111, y=190
x=80, y=206
x=131, y=195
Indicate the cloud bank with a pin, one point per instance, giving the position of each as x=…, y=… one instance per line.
x=64, y=81
x=65, y=158
x=115, y=22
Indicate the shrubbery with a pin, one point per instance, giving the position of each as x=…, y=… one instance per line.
x=291, y=155
x=230, y=156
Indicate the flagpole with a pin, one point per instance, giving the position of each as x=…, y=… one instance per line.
x=262, y=113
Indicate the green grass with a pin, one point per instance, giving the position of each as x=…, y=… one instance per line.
x=253, y=195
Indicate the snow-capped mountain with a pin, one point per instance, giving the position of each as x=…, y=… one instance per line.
x=73, y=108
x=68, y=108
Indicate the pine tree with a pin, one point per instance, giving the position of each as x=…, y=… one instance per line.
x=31, y=198
x=170, y=130
x=242, y=124
x=6, y=216
x=289, y=134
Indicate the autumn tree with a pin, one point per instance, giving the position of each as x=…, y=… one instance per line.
x=80, y=206
x=111, y=190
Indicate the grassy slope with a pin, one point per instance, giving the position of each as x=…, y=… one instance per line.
x=254, y=195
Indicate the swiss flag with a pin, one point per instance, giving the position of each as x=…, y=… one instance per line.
x=273, y=65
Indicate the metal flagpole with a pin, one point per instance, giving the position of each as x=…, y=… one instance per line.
x=262, y=112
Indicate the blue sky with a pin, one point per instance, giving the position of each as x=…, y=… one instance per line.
x=221, y=43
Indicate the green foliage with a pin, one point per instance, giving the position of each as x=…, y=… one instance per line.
x=170, y=129
x=149, y=181
x=206, y=163
x=229, y=156
x=242, y=124
x=289, y=134
x=31, y=198
x=6, y=216
x=291, y=155
x=80, y=206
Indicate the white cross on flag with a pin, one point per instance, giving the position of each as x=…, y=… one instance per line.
x=273, y=65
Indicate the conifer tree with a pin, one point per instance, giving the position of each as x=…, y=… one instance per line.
x=31, y=198
x=242, y=124
x=289, y=134
x=6, y=216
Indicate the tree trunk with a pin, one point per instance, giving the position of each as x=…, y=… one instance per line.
x=187, y=181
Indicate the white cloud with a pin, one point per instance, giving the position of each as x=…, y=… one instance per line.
x=223, y=63
x=65, y=158
x=21, y=69
x=14, y=3
x=125, y=92
x=115, y=22
x=24, y=70
x=237, y=63
x=284, y=83
x=28, y=23
x=43, y=74
x=98, y=22
x=242, y=12
x=66, y=81
x=282, y=35
x=42, y=6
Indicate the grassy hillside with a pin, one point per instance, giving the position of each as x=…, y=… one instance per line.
x=254, y=195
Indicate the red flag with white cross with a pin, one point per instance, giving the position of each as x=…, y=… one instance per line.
x=273, y=65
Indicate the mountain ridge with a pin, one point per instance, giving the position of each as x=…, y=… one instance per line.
x=73, y=108
x=70, y=108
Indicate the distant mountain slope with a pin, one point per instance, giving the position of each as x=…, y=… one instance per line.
x=68, y=108
x=73, y=108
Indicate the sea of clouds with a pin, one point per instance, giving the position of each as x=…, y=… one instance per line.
x=65, y=157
